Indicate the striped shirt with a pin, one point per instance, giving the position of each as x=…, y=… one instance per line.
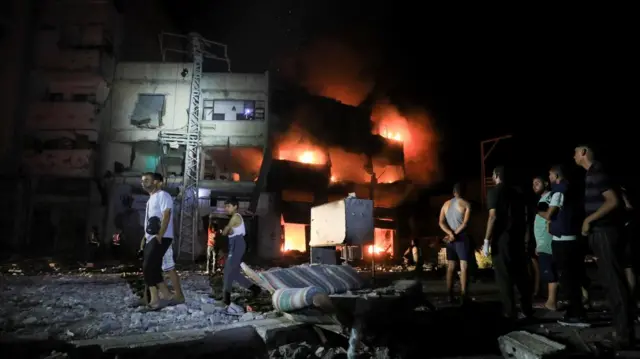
x=597, y=181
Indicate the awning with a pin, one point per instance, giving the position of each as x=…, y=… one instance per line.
x=148, y=110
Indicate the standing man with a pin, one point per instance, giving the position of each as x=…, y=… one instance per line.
x=158, y=225
x=504, y=239
x=235, y=230
x=565, y=217
x=543, y=241
x=212, y=248
x=632, y=259
x=454, y=218
x=602, y=205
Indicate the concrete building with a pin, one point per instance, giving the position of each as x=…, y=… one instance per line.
x=150, y=106
x=74, y=53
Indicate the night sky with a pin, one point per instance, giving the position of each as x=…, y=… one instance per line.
x=552, y=77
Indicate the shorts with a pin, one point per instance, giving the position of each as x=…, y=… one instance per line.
x=459, y=250
x=167, y=261
x=547, y=267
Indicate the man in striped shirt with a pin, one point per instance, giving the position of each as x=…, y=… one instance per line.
x=602, y=204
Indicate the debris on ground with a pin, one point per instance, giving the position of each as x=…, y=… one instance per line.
x=85, y=306
x=305, y=350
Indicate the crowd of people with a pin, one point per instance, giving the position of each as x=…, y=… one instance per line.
x=565, y=224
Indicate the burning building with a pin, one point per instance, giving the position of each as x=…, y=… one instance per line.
x=312, y=165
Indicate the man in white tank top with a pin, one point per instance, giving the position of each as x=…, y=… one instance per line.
x=236, y=231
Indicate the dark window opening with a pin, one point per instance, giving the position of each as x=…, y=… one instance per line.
x=148, y=111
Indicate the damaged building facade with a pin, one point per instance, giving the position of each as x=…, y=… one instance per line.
x=74, y=53
x=150, y=108
x=312, y=166
x=95, y=124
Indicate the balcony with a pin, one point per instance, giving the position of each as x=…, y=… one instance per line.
x=235, y=133
x=60, y=163
x=62, y=116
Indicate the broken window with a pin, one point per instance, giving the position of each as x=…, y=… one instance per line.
x=233, y=110
x=148, y=111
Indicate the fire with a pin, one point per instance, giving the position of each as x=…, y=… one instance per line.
x=307, y=157
x=297, y=145
x=333, y=179
x=394, y=136
x=375, y=249
x=382, y=242
x=295, y=237
x=414, y=128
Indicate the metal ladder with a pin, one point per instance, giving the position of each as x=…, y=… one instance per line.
x=191, y=140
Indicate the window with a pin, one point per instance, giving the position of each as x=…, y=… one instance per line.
x=148, y=111
x=233, y=110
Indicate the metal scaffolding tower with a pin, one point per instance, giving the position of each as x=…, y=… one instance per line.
x=197, y=48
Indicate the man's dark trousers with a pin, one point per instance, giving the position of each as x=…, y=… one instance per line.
x=510, y=266
x=607, y=245
x=569, y=260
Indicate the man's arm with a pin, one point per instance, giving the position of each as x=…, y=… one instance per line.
x=467, y=213
x=611, y=202
x=443, y=221
x=557, y=199
x=233, y=223
x=492, y=204
x=166, y=205
x=490, y=222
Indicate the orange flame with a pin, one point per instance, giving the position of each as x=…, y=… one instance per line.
x=297, y=145
x=394, y=136
x=415, y=130
x=294, y=237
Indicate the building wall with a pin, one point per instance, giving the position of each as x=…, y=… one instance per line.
x=15, y=22
x=134, y=79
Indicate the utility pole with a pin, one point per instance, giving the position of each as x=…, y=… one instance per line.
x=486, y=182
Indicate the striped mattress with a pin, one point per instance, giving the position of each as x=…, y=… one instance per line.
x=331, y=279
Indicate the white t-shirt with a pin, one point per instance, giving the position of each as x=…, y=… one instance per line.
x=156, y=205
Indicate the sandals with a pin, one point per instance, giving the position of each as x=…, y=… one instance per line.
x=162, y=303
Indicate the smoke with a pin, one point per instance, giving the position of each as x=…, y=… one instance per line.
x=334, y=69
x=343, y=71
x=415, y=129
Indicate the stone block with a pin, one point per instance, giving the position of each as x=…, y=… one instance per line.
x=525, y=345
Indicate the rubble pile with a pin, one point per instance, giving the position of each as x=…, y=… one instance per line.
x=305, y=350
x=85, y=306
